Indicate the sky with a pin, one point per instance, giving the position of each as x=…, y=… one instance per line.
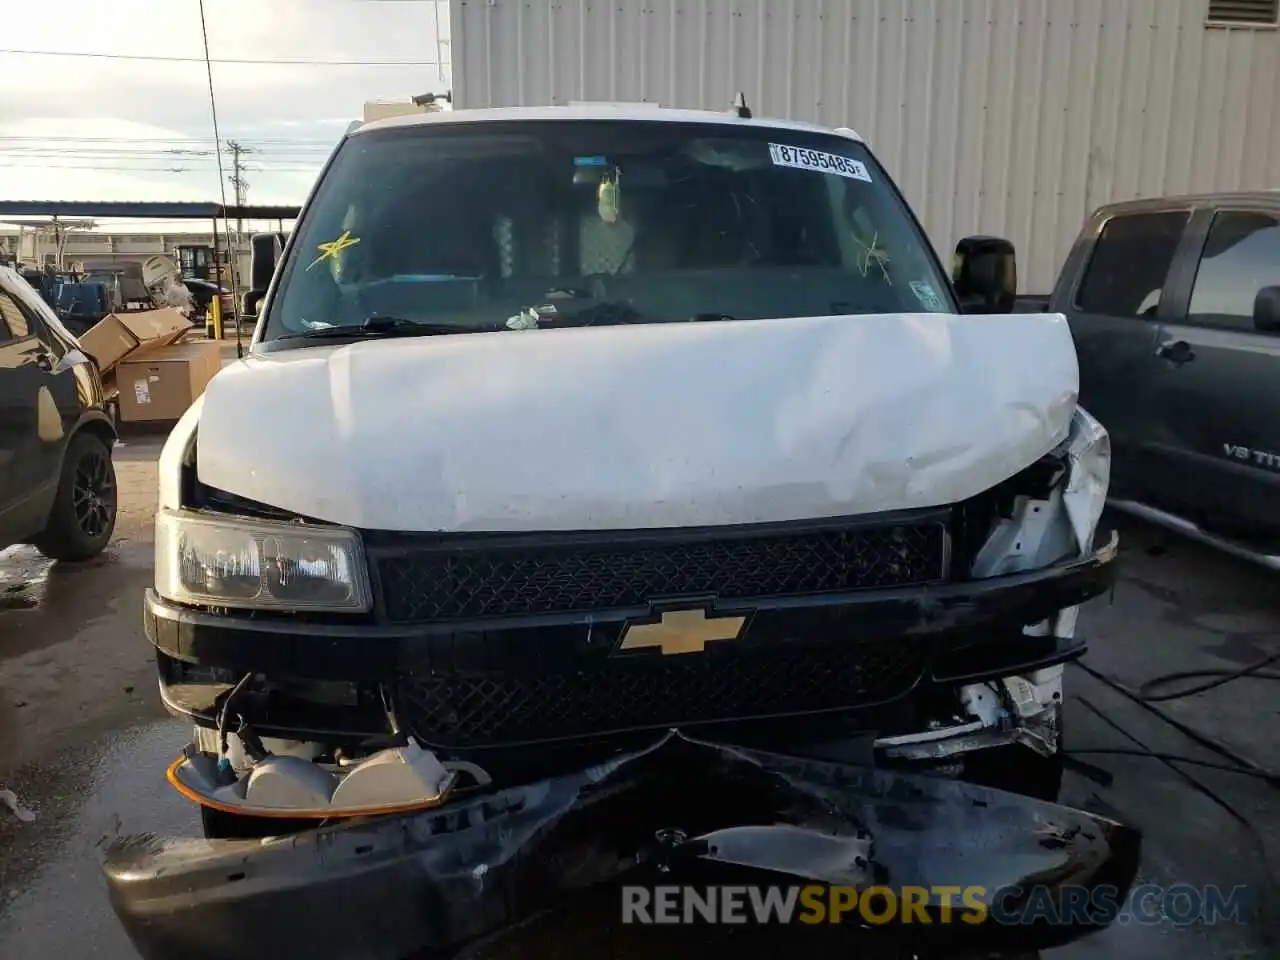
x=114, y=128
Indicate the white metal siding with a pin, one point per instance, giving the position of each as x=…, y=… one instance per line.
x=1014, y=117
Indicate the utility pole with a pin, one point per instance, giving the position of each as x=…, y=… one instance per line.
x=237, y=179
x=241, y=187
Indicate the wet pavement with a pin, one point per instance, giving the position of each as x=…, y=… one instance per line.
x=84, y=740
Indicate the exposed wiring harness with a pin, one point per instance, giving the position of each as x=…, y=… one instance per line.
x=252, y=744
x=224, y=711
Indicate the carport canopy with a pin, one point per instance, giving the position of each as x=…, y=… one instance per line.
x=142, y=210
x=94, y=209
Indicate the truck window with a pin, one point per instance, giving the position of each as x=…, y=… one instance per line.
x=1130, y=263
x=1241, y=256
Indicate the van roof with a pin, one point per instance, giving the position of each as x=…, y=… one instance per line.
x=597, y=111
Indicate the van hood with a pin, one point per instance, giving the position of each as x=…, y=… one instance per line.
x=654, y=425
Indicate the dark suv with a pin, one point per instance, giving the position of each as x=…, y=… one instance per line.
x=57, y=482
x=1174, y=305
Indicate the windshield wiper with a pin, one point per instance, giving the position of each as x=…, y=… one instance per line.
x=706, y=317
x=588, y=311
x=380, y=326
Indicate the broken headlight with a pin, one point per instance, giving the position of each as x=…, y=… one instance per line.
x=259, y=564
x=1046, y=514
x=1088, y=449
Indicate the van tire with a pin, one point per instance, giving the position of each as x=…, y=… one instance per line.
x=83, y=516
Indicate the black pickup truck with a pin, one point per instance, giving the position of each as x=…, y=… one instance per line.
x=1175, y=309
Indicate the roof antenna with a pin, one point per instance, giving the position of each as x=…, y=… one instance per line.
x=740, y=106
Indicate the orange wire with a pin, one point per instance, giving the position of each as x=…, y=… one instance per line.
x=172, y=776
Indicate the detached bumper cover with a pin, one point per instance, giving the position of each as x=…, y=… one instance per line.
x=486, y=866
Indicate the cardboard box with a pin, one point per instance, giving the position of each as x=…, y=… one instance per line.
x=120, y=335
x=161, y=384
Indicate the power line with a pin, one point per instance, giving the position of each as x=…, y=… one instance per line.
x=188, y=140
x=222, y=182
x=69, y=151
x=277, y=62
x=108, y=159
x=191, y=147
x=111, y=155
x=55, y=151
x=96, y=167
x=173, y=155
x=108, y=162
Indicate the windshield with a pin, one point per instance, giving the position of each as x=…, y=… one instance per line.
x=520, y=225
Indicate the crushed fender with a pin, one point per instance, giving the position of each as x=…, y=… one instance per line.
x=513, y=872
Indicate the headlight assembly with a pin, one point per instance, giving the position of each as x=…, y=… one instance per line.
x=259, y=564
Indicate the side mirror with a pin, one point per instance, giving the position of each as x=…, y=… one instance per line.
x=985, y=275
x=264, y=253
x=1266, y=310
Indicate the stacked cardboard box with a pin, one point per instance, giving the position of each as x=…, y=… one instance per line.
x=141, y=360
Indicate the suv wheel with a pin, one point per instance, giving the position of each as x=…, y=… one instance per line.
x=84, y=511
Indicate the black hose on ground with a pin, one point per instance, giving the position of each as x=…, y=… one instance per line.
x=1147, y=702
x=1256, y=670
x=1241, y=765
x=1174, y=758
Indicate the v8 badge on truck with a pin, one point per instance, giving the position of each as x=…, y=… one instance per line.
x=1260, y=458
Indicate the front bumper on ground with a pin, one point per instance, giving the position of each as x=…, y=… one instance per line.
x=479, y=684
x=681, y=811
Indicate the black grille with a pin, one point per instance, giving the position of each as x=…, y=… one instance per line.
x=445, y=584
x=641, y=692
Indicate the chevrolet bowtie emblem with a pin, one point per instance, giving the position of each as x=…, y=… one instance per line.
x=681, y=631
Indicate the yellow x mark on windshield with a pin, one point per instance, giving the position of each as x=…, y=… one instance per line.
x=330, y=250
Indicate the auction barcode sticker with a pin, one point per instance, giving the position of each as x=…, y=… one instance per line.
x=803, y=159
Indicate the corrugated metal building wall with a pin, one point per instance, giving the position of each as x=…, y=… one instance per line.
x=1014, y=117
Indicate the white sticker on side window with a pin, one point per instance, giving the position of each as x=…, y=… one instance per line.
x=928, y=296
x=803, y=159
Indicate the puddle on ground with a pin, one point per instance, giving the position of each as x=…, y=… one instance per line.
x=23, y=573
x=51, y=896
x=29, y=580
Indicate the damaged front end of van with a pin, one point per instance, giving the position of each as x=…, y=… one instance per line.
x=478, y=620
